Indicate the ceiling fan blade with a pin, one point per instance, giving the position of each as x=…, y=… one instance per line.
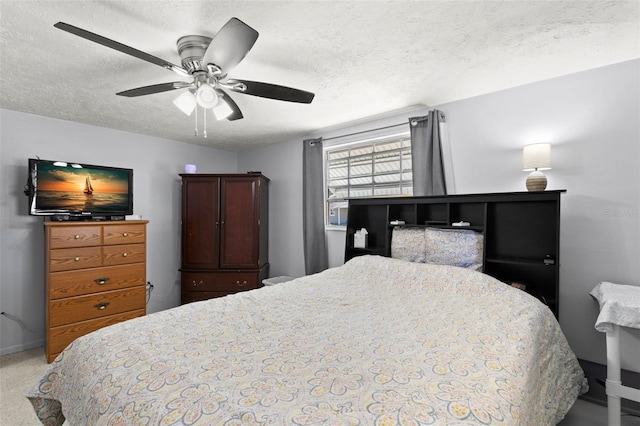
x=273, y=91
x=154, y=88
x=121, y=48
x=230, y=45
x=236, y=114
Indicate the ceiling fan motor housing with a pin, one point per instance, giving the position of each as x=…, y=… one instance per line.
x=191, y=49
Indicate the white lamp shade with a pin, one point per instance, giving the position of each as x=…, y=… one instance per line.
x=206, y=96
x=222, y=110
x=186, y=102
x=536, y=157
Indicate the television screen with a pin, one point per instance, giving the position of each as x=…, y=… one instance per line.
x=62, y=188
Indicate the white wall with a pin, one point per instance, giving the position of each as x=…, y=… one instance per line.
x=282, y=164
x=156, y=164
x=591, y=119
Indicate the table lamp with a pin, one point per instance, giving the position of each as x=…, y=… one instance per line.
x=536, y=157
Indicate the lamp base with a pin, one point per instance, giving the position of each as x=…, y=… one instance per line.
x=536, y=181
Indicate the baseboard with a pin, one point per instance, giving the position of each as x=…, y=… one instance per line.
x=21, y=347
x=596, y=375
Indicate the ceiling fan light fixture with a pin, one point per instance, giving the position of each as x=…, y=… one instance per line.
x=206, y=96
x=186, y=102
x=222, y=111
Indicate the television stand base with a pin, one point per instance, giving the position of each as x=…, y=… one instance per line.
x=83, y=218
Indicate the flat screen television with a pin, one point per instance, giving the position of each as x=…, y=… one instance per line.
x=79, y=191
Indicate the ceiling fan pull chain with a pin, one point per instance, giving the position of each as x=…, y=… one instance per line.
x=204, y=126
x=196, y=124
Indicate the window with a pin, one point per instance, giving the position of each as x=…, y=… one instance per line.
x=374, y=168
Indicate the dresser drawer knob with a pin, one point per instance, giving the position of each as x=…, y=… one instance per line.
x=124, y=254
x=241, y=284
x=76, y=237
x=101, y=306
x=125, y=234
x=101, y=281
x=196, y=284
x=76, y=259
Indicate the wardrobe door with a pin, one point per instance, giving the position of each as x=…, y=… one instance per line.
x=239, y=222
x=200, y=222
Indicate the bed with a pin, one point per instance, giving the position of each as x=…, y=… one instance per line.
x=377, y=341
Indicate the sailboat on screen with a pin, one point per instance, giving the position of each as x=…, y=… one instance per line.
x=88, y=189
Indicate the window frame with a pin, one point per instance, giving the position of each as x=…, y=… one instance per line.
x=403, y=136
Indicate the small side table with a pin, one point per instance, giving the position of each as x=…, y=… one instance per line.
x=619, y=307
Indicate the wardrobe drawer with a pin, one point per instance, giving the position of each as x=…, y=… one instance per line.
x=124, y=234
x=87, y=281
x=75, y=258
x=230, y=282
x=75, y=236
x=123, y=254
x=60, y=337
x=82, y=308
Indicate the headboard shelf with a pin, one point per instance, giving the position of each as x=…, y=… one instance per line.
x=517, y=261
x=521, y=231
x=438, y=225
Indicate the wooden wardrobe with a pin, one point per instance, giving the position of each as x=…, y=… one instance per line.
x=225, y=229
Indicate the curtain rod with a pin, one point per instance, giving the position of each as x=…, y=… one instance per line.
x=366, y=131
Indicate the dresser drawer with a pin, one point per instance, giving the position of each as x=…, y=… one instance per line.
x=123, y=254
x=60, y=337
x=75, y=236
x=230, y=282
x=76, y=283
x=82, y=308
x=74, y=258
x=124, y=234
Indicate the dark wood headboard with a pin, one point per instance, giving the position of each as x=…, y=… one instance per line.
x=521, y=231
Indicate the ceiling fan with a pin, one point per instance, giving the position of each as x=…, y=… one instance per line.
x=206, y=62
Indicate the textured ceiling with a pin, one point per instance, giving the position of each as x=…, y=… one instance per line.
x=360, y=58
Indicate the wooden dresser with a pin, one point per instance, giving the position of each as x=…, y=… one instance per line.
x=95, y=276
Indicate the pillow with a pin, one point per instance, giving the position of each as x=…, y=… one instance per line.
x=408, y=244
x=457, y=247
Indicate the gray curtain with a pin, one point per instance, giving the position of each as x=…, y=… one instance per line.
x=426, y=154
x=316, y=258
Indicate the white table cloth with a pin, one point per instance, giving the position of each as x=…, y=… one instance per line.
x=619, y=307
x=619, y=304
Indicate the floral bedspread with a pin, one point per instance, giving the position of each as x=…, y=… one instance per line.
x=377, y=341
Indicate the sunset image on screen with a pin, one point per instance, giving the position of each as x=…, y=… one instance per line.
x=53, y=178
